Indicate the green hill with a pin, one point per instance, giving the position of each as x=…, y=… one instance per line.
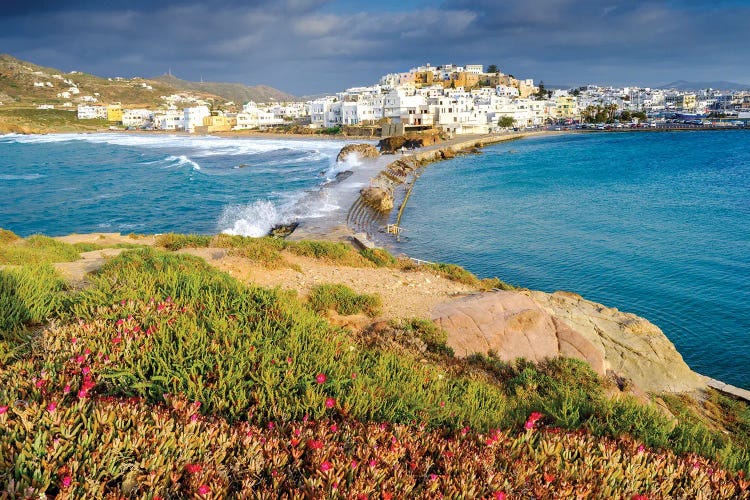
x=235, y=92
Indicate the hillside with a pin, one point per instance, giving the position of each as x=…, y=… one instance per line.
x=18, y=79
x=138, y=366
x=720, y=85
x=235, y=92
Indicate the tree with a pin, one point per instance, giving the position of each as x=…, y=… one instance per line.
x=506, y=121
x=625, y=116
x=492, y=68
x=542, y=92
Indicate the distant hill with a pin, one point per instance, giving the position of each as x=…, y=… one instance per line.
x=24, y=83
x=720, y=85
x=237, y=92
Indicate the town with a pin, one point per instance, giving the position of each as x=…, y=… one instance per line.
x=454, y=99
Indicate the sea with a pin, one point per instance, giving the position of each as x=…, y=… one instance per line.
x=654, y=223
x=59, y=184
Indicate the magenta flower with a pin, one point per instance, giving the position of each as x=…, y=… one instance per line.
x=66, y=389
x=193, y=468
x=321, y=378
x=330, y=403
x=52, y=407
x=3, y=409
x=66, y=481
x=203, y=489
x=499, y=495
x=334, y=427
x=354, y=464
x=326, y=466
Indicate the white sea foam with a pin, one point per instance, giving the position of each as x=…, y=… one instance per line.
x=182, y=160
x=22, y=177
x=199, y=145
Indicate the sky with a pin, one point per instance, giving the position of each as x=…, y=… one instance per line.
x=309, y=47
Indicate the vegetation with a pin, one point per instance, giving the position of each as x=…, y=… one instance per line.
x=343, y=300
x=461, y=275
x=492, y=68
x=506, y=122
x=167, y=377
x=34, y=250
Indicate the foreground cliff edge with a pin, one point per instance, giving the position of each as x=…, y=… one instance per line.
x=222, y=366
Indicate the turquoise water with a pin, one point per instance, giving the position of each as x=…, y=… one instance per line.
x=64, y=183
x=652, y=223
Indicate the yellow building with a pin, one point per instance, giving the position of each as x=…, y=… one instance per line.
x=565, y=106
x=688, y=102
x=423, y=78
x=114, y=112
x=217, y=122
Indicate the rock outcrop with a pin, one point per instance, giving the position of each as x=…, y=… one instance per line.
x=377, y=198
x=362, y=150
x=536, y=325
x=410, y=141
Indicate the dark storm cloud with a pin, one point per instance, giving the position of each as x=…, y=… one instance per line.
x=305, y=46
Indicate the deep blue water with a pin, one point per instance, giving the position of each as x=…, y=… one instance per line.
x=652, y=223
x=65, y=183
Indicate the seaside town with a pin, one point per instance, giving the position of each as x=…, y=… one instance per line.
x=456, y=100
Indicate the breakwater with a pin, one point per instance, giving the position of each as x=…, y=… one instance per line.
x=372, y=211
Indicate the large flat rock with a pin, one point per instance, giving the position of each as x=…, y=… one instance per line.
x=537, y=325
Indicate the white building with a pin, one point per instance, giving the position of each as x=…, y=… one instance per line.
x=254, y=117
x=91, y=112
x=171, y=119
x=193, y=117
x=136, y=117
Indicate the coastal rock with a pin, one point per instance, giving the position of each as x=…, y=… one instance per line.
x=378, y=198
x=535, y=325
x=512, y=325
x=362, y=150
x=411, y=141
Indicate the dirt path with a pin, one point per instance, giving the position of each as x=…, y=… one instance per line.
x=405, y=294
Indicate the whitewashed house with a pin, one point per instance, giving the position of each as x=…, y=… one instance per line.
x=86, y=112
x=137, y=117
x=171, y=119
x=193, y=117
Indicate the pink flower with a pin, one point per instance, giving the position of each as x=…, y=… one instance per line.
x=65, y=481
x=193, y=417
x=203, y=489
x=354, y=464
x=40, y=383
x=330, y=403
x=116, y=340
x=535, y=416
x=433, y=477
x=80, y=359
x=639, y=497
x=196, y=404
x=66, y=389
x=321, y=378
x=641, y=449
x=83, y=393
x=3, y=409
x=334, y=427
x=85, y=370
x=354, y=375
x=499, y=495
x=372, y=463
x=315, y=444
x=52, y=407
x=193, y=468
x=326, y=466
x=528, y=425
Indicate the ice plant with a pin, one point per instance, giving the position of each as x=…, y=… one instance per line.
x=499, y=495
x=330, y=403
x=321, y=378
x=66, y=481
x=51, y=407
x=326, y=466
x=203, y=489
x=3, y=409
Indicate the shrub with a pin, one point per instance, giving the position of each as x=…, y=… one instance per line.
x=173, y=241
x=454, y=273
x=266, y=250
x=432, y=335
x=379, y=256
x=7, y=236
x=28, y=295
x=329, y=251
x=344, y=300
x=36, y=250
